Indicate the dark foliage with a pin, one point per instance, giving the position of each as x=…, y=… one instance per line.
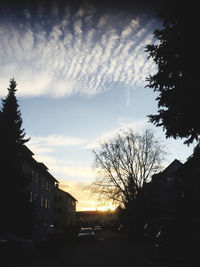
x=134, y=216
x=188, y=186
x=16, y=211
x=176, y=80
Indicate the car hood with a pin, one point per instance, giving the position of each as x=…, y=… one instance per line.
x=85, y=234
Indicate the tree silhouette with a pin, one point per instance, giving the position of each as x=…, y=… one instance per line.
x=124, y=164
x=11, y=116
x=17, y=212
x=176, y=80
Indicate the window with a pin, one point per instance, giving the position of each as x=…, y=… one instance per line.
x=35, y=197
x=35, y=176
x=42, y=201
x=45, y=203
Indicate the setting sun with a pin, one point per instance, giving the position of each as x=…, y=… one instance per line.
x=95, y=206
x=105, y=208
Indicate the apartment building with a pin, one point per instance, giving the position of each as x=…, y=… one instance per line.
x=64, y=208
x=52, y=205
x=42, y=186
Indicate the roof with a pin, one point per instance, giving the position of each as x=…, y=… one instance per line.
x=42, y=166
x=172, y=167
x=65, y=193
x=27, y=151
x=39, y=165
x=192, y=163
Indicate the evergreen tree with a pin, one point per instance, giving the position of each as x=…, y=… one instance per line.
x=17, y=213
x=12, y=117
x=176, y=80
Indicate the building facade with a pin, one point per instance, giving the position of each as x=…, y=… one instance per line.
x=41, y=188
x=160, y=193
x=64, y=209
x=52, y=205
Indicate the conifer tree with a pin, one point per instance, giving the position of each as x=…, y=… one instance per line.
x=17, y=213
x=12, y=117
x=176, y=80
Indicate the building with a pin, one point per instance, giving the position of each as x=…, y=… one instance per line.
x=52, y=205
x=41, y=187
x=96, y=217
x=64, y=209
x=187, y=185
x=160, y=193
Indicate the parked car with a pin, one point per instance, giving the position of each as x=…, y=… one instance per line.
x=150, y=231
x=97, y=228
x=42, y=233
x=121, y=228
x=16, y=246
x=86, y=233
x=154, y=226
x=169, y=236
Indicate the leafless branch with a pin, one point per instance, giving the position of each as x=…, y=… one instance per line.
x=124, y=164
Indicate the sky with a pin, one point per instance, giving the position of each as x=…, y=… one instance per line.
x=81, y=70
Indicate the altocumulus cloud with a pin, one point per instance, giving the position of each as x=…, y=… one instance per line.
x=57, y=140
x=59, y=53
x=123, y=127
x=45, y=144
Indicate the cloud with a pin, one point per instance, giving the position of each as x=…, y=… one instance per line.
x=137, y=126
x=43, y=146
x=52, y=152
x=80, y=191
x=61, y=168
x=56, y=140
x=74, y=53
x=73, y=170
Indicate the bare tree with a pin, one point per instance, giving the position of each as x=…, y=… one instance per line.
x=124, y=164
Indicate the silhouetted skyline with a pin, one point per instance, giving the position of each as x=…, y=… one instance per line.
x=81, y=73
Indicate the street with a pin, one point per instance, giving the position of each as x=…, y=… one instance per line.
x=108, y=248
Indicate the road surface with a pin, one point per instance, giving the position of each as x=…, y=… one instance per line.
x=108, y=249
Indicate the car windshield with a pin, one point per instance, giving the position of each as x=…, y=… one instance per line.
x=86, y=230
